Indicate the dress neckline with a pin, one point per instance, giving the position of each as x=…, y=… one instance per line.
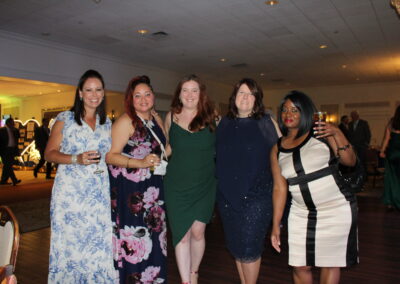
x=289, y=150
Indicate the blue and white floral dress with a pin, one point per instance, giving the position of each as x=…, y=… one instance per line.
x=81, y=228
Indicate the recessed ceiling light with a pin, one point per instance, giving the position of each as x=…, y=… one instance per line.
x=344, y=66
x=40, y=93
x=272, y=2
x=58, y=91
x=143, y=31
x=222, y=59
x=262, y=74
x=322, y=46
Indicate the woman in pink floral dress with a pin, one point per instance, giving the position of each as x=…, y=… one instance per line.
x=137, y=197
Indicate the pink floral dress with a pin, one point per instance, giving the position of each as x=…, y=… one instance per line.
x=138, y=214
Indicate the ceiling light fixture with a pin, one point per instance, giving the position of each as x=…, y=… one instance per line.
x=262, y=74
x=222, y=59
x=271, y=3
x=322, y=46
x=344, y=66
x=143, y=31
x=396, y=5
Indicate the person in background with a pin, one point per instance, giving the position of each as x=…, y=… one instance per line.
x=41, y=138
x=137, y=193
x=244, y=141
x=80, y=211
x=322, y=222
x=359, y=136
x=8, y=151
x=190, y=184
x=344, y=125
x=390, y=150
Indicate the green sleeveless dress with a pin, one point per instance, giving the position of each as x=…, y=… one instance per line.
x=391, y=195
x=190, y=183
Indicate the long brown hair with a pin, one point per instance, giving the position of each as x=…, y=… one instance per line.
x=128, y=101
x=206, y=114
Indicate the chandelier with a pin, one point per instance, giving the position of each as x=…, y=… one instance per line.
x=396, y=5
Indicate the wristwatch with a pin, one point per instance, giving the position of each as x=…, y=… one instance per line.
x=74, y=159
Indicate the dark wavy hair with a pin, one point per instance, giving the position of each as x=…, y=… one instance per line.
x=256, y=91
x=396, y=119
x=128, y=101
x=306, y=108
x=78, y=107
x=206, y=114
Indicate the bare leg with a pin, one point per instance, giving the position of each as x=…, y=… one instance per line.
x=250, y=271
x=197, y=247
x=330, y=275
x=182, y=254
x=302, y=275
x=240, y=270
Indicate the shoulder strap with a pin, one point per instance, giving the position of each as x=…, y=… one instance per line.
x=163, y=153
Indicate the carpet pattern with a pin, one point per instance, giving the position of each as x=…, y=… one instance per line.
x=32, y=215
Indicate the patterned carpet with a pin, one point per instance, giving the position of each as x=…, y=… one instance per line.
x=32, y=215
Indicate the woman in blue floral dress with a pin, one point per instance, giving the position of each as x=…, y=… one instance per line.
x=137, y=196
x=81, y=233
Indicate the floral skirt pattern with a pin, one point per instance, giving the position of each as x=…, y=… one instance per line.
x=139, y=226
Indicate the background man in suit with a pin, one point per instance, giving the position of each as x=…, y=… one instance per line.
x=344, y=125
x=41, y=138
x=360, y=136
x=8, y=150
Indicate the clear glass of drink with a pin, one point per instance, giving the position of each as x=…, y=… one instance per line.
x=319, y=116
x=96, y=157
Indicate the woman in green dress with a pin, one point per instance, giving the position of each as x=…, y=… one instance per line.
x=390, y=150
x=190, y=184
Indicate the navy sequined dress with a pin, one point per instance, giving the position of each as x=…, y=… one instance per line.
x=244, y=193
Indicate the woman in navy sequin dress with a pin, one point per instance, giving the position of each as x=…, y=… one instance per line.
x=244, y=141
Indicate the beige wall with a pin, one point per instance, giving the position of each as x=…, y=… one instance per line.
x=376, y=102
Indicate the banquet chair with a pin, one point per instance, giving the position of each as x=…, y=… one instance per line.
x=375, y=167
x=9, y=243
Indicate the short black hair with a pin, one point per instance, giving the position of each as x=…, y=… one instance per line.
x=78, y=107
x=306, y=108
x=343, y=118
x=256, y=91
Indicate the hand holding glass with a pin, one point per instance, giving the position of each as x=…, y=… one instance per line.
x=319, y=116
x=96, y=158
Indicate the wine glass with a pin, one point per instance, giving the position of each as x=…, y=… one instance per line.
x=96, y=157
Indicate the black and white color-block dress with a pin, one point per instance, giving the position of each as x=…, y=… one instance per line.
x=322, y=223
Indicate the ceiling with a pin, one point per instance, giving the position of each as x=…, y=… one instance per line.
x=277, y=45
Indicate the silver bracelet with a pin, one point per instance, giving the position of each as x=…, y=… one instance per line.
x=74, y=159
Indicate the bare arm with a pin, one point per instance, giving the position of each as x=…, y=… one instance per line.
x=279, y=196
x=167, y=126
x=338, y=142
x=53, y=154
x=122, y=129
x=385, y=141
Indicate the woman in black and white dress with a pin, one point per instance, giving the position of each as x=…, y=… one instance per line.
x=322, y=223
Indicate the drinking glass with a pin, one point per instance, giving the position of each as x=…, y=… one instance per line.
x=96, y=157
x=319, y=116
